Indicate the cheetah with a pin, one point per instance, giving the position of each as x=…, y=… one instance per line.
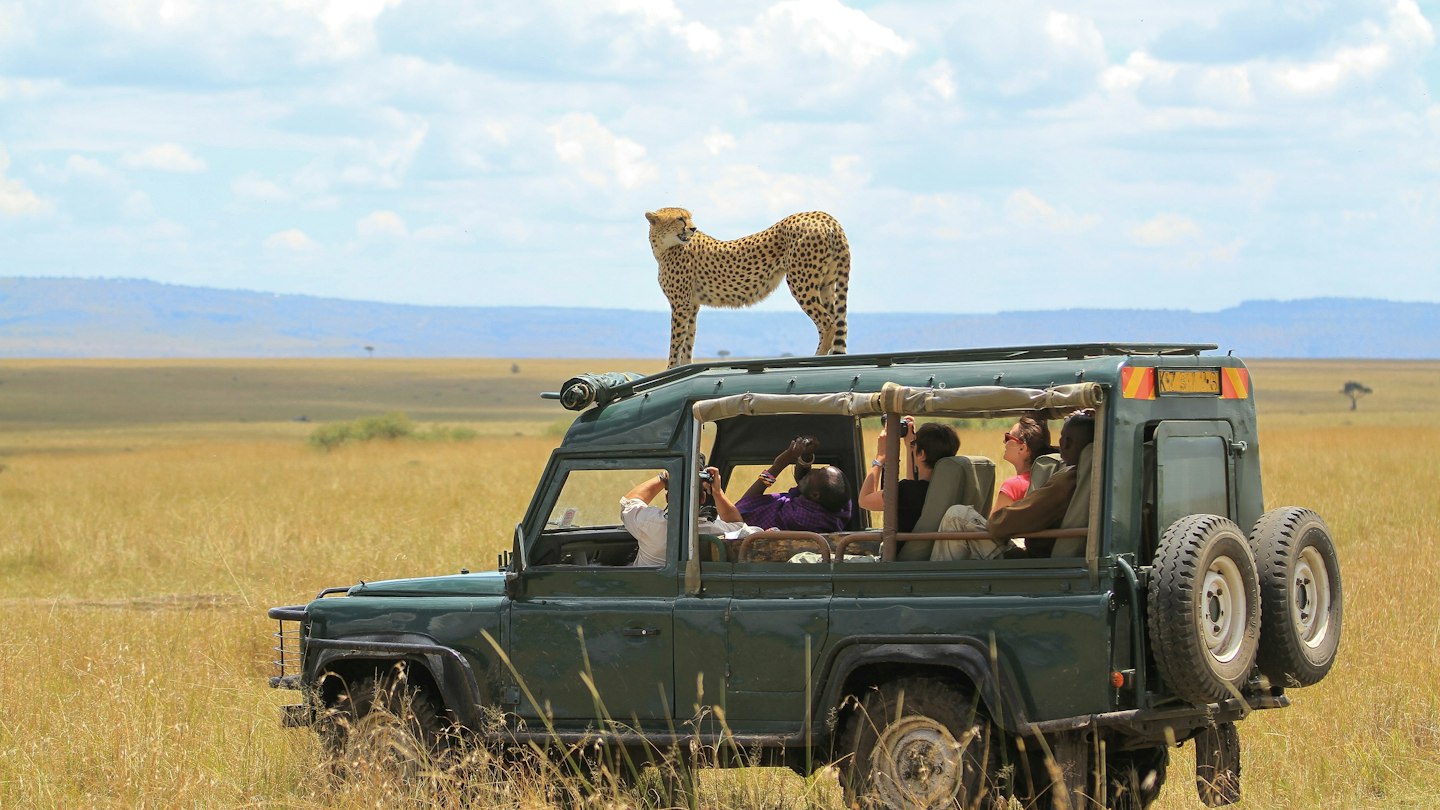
x=809, y=250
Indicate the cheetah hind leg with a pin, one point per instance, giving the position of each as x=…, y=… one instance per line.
x=682, y=333
x=819, y=304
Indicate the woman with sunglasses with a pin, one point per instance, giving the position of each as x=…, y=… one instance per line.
x=1025, y=441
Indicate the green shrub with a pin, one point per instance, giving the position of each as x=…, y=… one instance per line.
x=393, y=425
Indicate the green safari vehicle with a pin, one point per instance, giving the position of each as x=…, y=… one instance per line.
x=1166, y=607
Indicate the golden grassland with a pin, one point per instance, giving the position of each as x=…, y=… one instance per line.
x=151, y=511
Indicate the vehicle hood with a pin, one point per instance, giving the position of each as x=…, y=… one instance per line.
x=485, y=583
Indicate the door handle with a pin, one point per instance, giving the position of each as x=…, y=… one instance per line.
x=642, y=631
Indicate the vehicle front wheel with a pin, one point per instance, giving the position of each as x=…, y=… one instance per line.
x=385, y=722
x=918, y=744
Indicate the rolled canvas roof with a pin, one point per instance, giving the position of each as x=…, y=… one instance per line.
x=974, y=401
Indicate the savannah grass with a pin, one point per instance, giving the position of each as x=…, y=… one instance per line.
x=138, y=556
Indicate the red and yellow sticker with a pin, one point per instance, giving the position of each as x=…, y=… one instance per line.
x=1234, y=383
x=1137, y=383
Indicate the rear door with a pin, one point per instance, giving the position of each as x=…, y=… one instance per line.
x=1193, y=470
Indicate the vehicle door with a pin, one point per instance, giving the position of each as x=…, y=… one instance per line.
x=591, y=636
x=773, y=617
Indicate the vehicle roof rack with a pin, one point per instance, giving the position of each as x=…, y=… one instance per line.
x=1069, y=351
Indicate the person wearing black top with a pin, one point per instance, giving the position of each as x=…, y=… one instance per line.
x=930, y=443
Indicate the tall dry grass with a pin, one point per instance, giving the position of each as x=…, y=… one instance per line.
x=136, y=564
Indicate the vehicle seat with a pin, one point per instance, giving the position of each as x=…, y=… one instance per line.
x=957, y=479
x=1077, y=516
x=1041, y=469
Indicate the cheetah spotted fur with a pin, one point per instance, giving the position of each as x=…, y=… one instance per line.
x=808, y=250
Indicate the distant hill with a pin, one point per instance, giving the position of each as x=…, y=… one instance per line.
x=60, y=317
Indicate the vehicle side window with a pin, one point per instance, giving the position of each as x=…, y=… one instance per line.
x=591, y=498
x=583, y=524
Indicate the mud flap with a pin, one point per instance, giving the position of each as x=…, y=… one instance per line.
x=1217, y=765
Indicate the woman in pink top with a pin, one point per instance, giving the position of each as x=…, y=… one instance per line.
x=1025, y=441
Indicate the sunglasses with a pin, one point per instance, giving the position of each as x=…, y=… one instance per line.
x=1016, y=439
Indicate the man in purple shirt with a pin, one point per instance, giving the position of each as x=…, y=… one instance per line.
x=819, y=502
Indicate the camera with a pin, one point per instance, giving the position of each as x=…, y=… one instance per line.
x=706, y=477
x=905, y=422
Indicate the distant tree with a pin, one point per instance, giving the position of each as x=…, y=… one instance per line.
x=722, y=353
x=514, y=368
x=370, y=350
x=1355, y=391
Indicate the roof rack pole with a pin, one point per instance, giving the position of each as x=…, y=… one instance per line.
x=890, y=486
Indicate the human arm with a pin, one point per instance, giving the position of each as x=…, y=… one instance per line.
x=1037, y=511
x=724, y=507
x=800, y=447
x=872, y=493
x=649, y=488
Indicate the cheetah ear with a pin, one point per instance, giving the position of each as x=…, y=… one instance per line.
x=650, y=215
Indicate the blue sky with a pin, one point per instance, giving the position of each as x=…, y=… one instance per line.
x=981, y=156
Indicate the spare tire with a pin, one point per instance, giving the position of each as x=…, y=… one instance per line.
x=1204, y=608
x=1301, y=600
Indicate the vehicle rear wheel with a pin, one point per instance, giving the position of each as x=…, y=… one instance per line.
x=1204, y=608
x=918, y=744
x=1301, y=600
x=384, y=723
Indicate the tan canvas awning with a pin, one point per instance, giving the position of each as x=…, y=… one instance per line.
x=975, y=401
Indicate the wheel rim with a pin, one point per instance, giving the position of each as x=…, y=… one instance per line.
x=1310, y=597
x=917, y=763
x=1222, y=609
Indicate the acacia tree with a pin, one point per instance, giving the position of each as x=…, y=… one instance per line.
x=1355, y=391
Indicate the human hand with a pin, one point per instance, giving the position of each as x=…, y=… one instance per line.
x=801, y=447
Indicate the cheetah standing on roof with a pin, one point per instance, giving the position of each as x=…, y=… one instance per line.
x=809, y=250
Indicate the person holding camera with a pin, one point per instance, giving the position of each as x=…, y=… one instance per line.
x=819, y=501
x=648, y=524
x=930, y=443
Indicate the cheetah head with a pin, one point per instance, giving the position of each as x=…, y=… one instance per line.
x=669, y=227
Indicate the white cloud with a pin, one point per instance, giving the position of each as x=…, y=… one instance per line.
x=939, y=78
x=316, y=30
x=1025, y=208
x=165, y=157
x=12, y=89
x=137, y=205
x=380, y=225
x=291, y=239
x=16, y=199
x=255, y=187
x=380, y=160
x=1165, y=229
x=599, y=155
x=1356, y=54
x=84, y=168
x=717, y=142
x=1030, y=54
x=844, y=35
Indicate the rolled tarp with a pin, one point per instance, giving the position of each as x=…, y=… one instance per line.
x=973, y=401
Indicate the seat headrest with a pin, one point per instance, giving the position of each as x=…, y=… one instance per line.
x=1041, y=470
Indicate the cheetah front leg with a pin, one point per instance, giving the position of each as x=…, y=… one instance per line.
x=682, y=332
